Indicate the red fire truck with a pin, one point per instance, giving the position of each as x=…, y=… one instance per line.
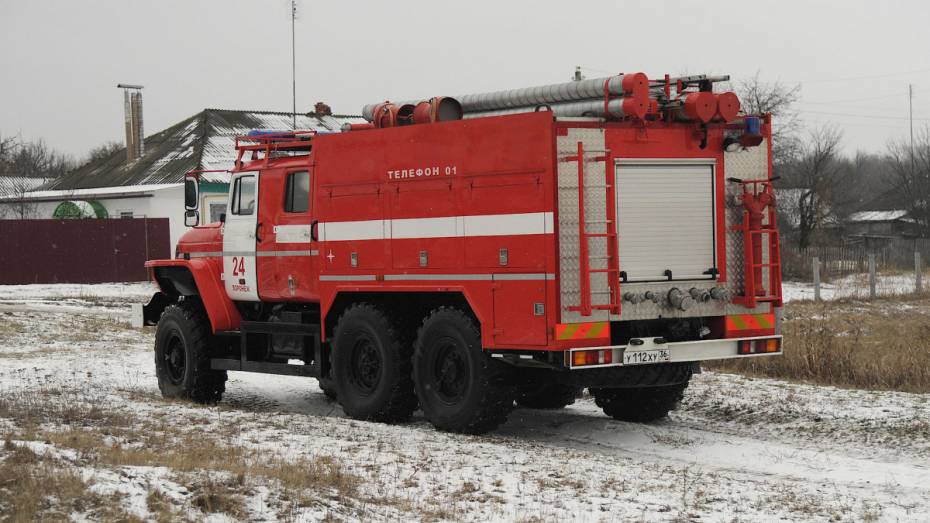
x=463, y=255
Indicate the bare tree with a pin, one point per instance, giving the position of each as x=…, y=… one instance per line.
x=104, y=150
x=24, y=166
x=37, y=160
x=19, y=206
x=7, y=147
x=758, y=97
x=817, y=174
x=911, y=168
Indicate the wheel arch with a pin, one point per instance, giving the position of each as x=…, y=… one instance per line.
x=412, y=305
x=196, y=277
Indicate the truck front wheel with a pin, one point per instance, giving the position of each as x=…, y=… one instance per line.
x=182, y=355
x=460, y=388
x=371, y=366
x=639, y=404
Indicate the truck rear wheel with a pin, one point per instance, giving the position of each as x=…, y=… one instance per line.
x=547, y=395
x=328, y=387
x=461, y=389
x=182, y=355
x=371, y=366
x=639, y=404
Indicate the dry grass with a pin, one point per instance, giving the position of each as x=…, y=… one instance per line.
x=36, y=487
x=10, y=328
x=33, y=399
x=219, y=475
x=194, y=451
x=884, y=344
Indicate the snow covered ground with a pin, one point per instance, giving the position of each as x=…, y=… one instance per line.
x=853, y=286
x=739, y=449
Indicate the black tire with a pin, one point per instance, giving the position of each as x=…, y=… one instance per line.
x=461, y=389
x=639, y=404
x=182, y=355
x=328, y=387
x=371, y=366
x=546, y=394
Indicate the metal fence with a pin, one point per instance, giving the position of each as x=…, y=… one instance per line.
x=894, y=267
x=837, y=262
x=80, y=251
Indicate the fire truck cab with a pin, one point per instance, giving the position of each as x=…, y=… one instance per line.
x=465, y=265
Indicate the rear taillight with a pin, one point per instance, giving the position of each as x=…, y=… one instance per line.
x=582, y=358
x=759, y=346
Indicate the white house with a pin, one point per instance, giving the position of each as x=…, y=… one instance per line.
x=152, y=186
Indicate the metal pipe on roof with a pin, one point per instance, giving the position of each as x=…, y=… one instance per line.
x=634, y=84
x=616, y=108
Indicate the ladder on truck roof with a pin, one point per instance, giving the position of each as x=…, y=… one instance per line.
x=586, y=306
x=268, y=142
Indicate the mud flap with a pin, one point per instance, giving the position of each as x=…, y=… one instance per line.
x=150, y=313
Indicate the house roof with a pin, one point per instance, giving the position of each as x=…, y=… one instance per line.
x=96, y=193
x=877, y=216
x=205, y=141
x=17, y=185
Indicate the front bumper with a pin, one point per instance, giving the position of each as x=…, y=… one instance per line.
x=686, y=351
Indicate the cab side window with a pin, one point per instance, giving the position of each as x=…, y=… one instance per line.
x=243, y=201
x=297, y=192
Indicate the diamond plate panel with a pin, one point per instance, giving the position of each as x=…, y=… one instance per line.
x=595, y=215
x=749, y=164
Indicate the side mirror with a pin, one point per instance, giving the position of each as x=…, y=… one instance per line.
x=191, y=193
x=191, y=218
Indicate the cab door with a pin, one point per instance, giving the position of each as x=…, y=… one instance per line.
x=239, y=270
x=290, y=240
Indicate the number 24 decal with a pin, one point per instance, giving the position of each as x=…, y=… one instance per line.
x=238, y=266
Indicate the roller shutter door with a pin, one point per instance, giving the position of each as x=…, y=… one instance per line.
x=666, y=221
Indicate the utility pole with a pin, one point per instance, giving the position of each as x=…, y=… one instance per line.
x=293, y=67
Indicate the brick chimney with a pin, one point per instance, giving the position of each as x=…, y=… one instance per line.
x=135, y=137
x=321, y=109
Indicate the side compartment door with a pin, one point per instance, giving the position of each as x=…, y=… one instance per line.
x=239, y=271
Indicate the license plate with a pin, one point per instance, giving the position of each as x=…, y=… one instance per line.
x=645, y=356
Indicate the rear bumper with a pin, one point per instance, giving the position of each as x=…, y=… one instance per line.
x=678, y=352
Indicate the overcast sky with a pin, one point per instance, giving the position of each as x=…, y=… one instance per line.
x=61, y=60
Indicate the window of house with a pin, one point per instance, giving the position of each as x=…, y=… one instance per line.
x=216, y=209
x=297, y=192
x=243, y=202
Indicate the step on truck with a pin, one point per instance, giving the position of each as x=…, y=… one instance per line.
x=463, y=255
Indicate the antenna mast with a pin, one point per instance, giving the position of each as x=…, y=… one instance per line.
x=293, y=67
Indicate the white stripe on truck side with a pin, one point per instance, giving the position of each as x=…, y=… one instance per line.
x=439, y=227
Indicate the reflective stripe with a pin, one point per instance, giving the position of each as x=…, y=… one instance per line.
x=517, y=276
x=739, y=322
x=218, y=254
x=357, y=230
x=288, y=253
x=431, y=277
x=347, y=277
x=469, y=277
x=439, y=227
x=582, y=331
